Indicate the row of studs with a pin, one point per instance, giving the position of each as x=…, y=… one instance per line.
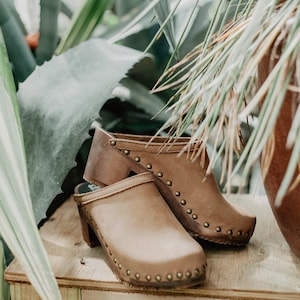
x=160, y=175
x=177, y=194
x=169, y=277
x=137, y=276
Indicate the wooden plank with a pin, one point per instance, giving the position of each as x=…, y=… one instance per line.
x=265, y=269
x=228, y=295
x=25, y=291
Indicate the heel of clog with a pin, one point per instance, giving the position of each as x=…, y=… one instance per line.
x=88, y=233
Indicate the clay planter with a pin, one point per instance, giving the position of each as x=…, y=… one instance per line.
x=288, y=214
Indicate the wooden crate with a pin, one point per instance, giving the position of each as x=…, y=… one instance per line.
x=265, y=269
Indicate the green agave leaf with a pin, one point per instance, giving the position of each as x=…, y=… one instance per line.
x=15, y=14
x=18, y=51
x=17, y=224
x=48, y=30
x=58, y=103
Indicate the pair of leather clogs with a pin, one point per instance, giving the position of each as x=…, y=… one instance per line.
x=144, y=203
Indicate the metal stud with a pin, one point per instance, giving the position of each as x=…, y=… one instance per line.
x=149, y=166
x=120, y=266
x=177, y=194
x=196, y=272
x=113, y=143
x=206, y=224
x=137, y=159
x=179, y=275
x=110, y=253
x=160, y=174
x=239, y=233
x=148, y=277
x=247, y=233
x=229, y=232
x=188, y=274
x=169, y=182
x=218, y=229
x=127, y=152
x=194, y=216
x=189, y=211
x=115, y=260
x=170, y=277
x=128, y=272
x=183, y=202
x=137, y=276
x=158, y=278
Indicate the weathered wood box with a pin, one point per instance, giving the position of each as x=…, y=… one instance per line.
x=265, y=269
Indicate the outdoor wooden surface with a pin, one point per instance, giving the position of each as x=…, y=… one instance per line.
x=265, y=269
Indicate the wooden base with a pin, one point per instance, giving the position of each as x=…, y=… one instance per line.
x=264, y=269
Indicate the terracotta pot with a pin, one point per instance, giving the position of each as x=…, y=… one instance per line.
x=288, y=214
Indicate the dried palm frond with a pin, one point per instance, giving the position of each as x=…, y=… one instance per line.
x=217, y=90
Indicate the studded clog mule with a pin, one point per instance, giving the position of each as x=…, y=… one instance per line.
x=144, y=243
x=192, y=195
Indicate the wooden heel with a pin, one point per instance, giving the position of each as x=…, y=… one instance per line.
x=88, y=234
x=106, y=165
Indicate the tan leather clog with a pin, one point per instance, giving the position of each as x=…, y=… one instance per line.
x=144, y=243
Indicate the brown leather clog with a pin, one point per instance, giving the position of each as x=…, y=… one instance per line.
x=144, y=243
